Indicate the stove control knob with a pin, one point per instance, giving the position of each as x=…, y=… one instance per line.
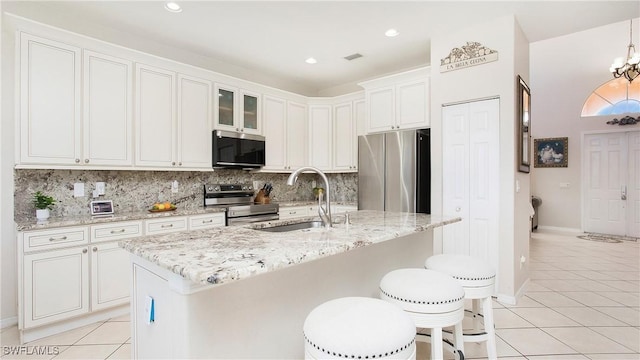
x=210, y=188
x=244, y=187
x=250, y=188
x=217, y=188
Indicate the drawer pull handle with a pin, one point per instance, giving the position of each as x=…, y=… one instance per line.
x=292, y=212
x=207, y=221
x=118, y=231
x=62, y=238
x=166, y=226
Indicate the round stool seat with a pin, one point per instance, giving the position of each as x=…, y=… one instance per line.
x=421, y=290
x=471, y=272
x=359, y=328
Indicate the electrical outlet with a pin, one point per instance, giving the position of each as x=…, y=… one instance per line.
x=78, y=190
x=100, y=188
x=174, y=186
x=522, y=261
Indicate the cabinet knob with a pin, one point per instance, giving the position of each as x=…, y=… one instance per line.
x=458, y=209
x=241, y=130
x=180, y=163
x=77, y=161
x=237, y=129
x=173, y=163
x=95, y=249
x=84, y=251
x=86, y=161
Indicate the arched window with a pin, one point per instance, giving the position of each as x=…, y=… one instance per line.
x=618, y=96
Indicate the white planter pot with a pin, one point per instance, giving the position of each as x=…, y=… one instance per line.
x=42, y=214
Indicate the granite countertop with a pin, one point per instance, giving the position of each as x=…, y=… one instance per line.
x=32, y=224
x=225, y=254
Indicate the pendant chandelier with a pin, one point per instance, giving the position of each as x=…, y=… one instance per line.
x=627, y=67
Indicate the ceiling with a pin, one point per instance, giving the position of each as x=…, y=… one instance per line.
x=268, y=41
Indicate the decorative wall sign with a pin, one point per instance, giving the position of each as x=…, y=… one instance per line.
x=551, y=152
x=627, y=120
x=468, y=55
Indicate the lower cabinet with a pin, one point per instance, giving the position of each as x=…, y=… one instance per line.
x=56, y=285
x=110, y=276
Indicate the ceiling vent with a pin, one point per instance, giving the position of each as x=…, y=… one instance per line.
x=353, y=56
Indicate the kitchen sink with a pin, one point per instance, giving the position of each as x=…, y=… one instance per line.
x=293, y=227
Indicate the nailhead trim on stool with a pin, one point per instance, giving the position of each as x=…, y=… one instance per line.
x=477, y=278
x=433, y=300
x=358, y=328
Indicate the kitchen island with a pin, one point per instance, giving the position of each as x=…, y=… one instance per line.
x=241, y=292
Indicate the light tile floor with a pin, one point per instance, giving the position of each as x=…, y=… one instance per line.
x=582, y=302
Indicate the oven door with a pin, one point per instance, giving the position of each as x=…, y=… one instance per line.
x=251, y=219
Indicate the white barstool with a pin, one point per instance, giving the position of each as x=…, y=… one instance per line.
x=358, y=328
x=478, y=281
x=433, y=300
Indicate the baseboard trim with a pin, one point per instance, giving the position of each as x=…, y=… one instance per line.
x=559, y=230
x=513, y=300
x=5, y=323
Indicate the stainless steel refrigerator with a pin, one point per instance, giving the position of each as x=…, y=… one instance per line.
x=394, y=171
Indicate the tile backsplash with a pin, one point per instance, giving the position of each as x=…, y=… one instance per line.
x=138, y=190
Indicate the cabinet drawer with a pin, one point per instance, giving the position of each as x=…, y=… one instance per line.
x=55, y=238
x=116, y=231
x=293, y=212
x=165, y=225
x=206, y=221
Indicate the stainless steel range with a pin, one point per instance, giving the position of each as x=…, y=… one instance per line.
x=237, y=199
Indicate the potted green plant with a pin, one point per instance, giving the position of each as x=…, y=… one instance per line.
x=43, y=204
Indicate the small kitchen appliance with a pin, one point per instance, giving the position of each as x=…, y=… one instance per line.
x=237, y=200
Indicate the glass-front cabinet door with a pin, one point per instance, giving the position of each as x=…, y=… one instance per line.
x=226, y=102
x=250, y=113
x=237, y=110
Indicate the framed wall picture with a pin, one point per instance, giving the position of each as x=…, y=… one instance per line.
x=551, y=152
x=524, y=126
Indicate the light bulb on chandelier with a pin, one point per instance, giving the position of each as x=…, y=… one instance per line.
x=627, y=67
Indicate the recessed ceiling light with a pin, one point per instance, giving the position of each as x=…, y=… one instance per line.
x=391, y=32
x=311, y=60
x=173, y=7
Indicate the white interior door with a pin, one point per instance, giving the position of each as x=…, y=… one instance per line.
x=471, y=178
x=611, y=203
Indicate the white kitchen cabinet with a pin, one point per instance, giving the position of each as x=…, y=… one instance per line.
x=165, y=225
x=345, y=140
x=155, y=116
x=173, y=113
x=238, y=110
x=398, y=102
x=50, y=115
x=320, y=137
x=200, y=222
x=275, y=117
x=292, y=212
x=194, y=123
x=297, y=135
x=107, y=101
x=285, y=133
x=55, y=285
x=110, y=275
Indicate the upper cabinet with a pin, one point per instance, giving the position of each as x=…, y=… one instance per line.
x=398, y=102
x=50, y=117
x=345, y=137
x=320, y=137
x=53, y=130
x=237, y=110
x=107, y=120
x=285, y=132
x=173, y=115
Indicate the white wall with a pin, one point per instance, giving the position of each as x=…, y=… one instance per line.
x=489, y=80
x=564, y=72
x=8, y=296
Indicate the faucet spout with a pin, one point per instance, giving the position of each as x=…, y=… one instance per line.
x=324, y=213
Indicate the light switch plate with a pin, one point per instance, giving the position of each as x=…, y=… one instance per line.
x=78, y=190
x=100, y=188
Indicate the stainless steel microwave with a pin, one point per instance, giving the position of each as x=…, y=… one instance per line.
x=237, y=150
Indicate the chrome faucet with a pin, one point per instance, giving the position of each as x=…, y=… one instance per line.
x=324, y=213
